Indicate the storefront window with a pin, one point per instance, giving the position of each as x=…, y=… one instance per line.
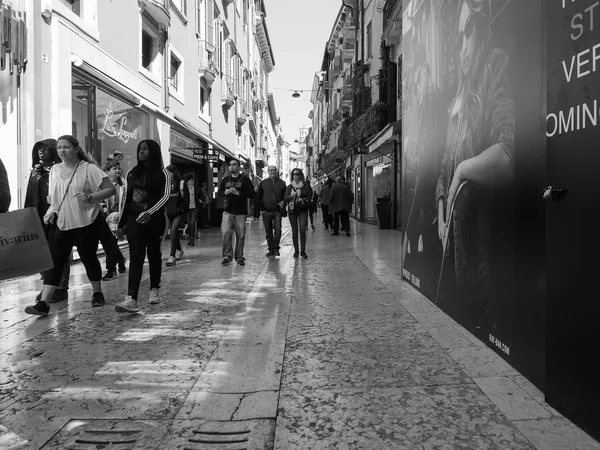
x=121, y=127
x=104, y=124
x=380, y=179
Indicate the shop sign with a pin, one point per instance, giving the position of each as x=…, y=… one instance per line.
x=116, y=128
x=13, y=37
x=180, y=141
x=206, y=154
x=378, y=160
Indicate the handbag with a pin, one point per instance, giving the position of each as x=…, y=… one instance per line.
x=291, y=206
x=24, y=249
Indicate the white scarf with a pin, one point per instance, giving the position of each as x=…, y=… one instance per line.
x=298, y=185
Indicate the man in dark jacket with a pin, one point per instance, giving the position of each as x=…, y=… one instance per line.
x=4, y=189
x=340, y=204
x=236, y=188
x=270, y=200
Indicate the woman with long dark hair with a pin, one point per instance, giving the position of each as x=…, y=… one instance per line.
x=43, y=157
x=177, y=208
x=143, y=220
x=75, y=189
x=296, y=195
x=479, y=154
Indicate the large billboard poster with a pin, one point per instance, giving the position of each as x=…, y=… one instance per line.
x=473, y=168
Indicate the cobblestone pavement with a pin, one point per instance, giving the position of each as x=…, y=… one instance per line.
x=330, y=352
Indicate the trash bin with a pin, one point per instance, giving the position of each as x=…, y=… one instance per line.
x=384, y=212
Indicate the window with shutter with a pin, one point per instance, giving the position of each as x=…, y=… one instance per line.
x=199, y=18
x=218, y=40
x=210, y=20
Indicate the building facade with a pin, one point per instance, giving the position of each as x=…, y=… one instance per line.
x=191, y=74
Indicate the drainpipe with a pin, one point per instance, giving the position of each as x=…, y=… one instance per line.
x=362, y=31
x=166, y=67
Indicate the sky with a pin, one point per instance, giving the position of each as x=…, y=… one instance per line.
x=298, y=30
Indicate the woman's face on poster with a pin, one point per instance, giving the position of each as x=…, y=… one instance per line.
x=467, y=38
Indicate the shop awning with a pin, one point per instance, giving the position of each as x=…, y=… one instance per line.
x=187, y=127
x=391, y=133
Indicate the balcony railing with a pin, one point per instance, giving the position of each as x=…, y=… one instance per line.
x=206, y=65
x=388, y=11
x=227, y=98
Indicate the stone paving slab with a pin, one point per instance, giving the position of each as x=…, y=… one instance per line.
x=416, y=417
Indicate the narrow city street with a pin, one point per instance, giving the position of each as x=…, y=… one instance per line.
x=332, y=352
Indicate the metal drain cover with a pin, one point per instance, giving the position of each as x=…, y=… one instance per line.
x=109, y=434
x=200, y=434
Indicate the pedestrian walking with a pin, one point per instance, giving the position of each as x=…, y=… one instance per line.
x=237, y=188
x=111, y=212
x=192, y=213
x=75, y=189
x=313, y=209
x=340, y=204
x=325, y=190
x=177, y=208
x=143, y=220
x=269, y=199
x=298, y=197
x=4, y=189
x=43, y=157
x=205, y=200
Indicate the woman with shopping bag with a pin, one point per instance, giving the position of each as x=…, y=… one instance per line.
x=75, y=189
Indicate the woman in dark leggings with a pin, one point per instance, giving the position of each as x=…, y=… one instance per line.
x=177, y=208
x=143, y=220
x=75, y=190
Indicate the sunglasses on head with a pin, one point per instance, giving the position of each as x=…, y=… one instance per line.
x=468, y=30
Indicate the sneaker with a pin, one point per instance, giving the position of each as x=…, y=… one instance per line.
x=276, y=253
x=128, y=306
x=303, y=255
x=39, y=309
x=98, y=299
x=110, y=275
x=241, y=262
x=226, y=262
x=270, y=253
x=313, y=227
x=154, y=296
x=122, y=267
x=296, y=254
x=59, y=295
x=171, y=261
x=179, y=255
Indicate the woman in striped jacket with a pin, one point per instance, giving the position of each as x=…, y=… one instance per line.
x=143, y=221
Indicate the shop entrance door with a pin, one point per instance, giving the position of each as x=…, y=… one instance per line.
x=573, y=202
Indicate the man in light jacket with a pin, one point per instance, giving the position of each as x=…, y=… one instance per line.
x=270, y=200
x=340, y=204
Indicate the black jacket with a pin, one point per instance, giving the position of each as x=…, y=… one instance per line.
x=270, y=194
x=237, y=203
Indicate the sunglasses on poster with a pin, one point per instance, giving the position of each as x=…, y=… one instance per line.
x=467, y=31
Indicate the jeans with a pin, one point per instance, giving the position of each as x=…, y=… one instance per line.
x=191, y=229
x=231, y=223
x=110, y=244
x=175, y=221
x=327, y=220
x=341, y=216
x=144, y=238
x=298, y=223
x=272, y=223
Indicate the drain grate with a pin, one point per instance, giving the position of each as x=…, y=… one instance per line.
x=108, y=434
x=198, y=434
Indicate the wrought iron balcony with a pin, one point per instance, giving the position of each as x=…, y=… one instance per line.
x=158, y=10
x=227, y=97
x=206, y=65
x=392, y=21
